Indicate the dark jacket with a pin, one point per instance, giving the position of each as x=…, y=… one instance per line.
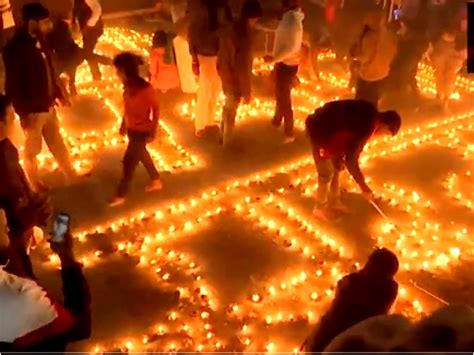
x=23, y=208
x=405, y=63
x=82, y=14
x=234, y=61
x=340, y=130
x=72, y=324
x=13, y=184
x=206, y=18
x=355, y=119
x=27, y=75
x=63, y=46
x=358, y=297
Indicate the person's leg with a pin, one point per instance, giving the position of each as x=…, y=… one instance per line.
x=204, y=94
x=378, y=88
x=215, y=87
x=367, y=91
x=3, y=231
x=450, y=77
x=334, y=191
x=278, y=76
x=55, y=143
x=133, y=155
x=147, y=161
x=290, y=78
x=229, y=113
x=90, y=38
x=33, y=128
x=71, y=73
x=334, y=198
x=102, y=59
x=325, y=169
x=438, y=74
x=314, y=68
x=184, y=62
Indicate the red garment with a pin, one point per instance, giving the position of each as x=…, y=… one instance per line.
x=331, y=10
x=61, y=325
x=338, y=145
x=140, y=107
x=163, y=76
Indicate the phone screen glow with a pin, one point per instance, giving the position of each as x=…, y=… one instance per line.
x=61, y=225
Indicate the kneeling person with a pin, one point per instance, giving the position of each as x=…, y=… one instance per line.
x=339, y=132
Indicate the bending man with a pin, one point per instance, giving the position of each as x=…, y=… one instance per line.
x=339, y=132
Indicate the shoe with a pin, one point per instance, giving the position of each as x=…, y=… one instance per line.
x=201, y=133
x=155, y=185
x=117, y=201
x=288, y=140
x=326, y=214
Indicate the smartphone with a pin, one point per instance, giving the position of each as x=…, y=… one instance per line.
x=396, y=14
x=61, y=227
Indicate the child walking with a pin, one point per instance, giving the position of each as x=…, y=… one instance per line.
x=140, y=122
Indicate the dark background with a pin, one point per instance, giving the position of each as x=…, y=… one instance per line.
x=470, y=37
x=107, y=5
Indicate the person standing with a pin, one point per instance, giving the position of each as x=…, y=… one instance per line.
x=67, y=55
x=448, y=55
x=184, y=59
x=88, y=14
x=23, y=208
x=286, y=57
x=338, y=132
x=33, y=86
x=140, y=123
x=234, y=64
x=163, y=71
x=7, y=22
x=207, y=18
x=374, y=54
x=411, y=47
x=7, y=30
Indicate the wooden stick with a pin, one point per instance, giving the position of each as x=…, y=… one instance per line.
x=379, y=210
x=429, y=293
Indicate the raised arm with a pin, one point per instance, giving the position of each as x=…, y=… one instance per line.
x=96, y=12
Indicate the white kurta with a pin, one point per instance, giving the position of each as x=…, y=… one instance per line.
x=7, y=14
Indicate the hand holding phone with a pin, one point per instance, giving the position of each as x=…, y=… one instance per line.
x=396, y=14
x=61, y=228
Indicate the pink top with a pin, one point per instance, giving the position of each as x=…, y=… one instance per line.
x=163, y=76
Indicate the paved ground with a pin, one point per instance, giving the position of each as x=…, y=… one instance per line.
x=228, y=255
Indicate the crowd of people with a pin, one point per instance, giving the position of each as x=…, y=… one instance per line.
x=212, y=49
